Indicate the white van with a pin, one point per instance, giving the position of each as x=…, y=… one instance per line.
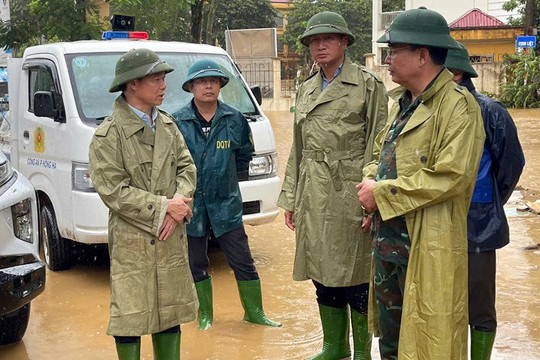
x=58, y=94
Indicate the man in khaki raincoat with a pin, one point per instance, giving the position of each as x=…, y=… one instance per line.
x=144, y=173
x=420, y=186
x=339, y=111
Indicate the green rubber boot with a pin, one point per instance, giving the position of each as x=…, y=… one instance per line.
x=131, y=351
x=361, y=337
x=251, y=298
x=205, y=317
x=166, y=346
x=335, y=325
x=481, y=344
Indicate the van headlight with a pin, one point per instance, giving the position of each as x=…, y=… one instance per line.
x=80, y=177
x=22, y=220
x=264, y=165
x=6, y=172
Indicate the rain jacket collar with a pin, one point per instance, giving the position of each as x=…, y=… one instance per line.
x=188, y=112
x=336, y=88
x=433, y=88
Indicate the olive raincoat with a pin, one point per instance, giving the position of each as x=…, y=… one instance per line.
x=334, y=131
x=135, y=170
x=437, y=157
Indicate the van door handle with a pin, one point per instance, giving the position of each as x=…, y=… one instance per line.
x=26, y=135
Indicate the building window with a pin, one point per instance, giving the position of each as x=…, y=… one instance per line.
x=482, y=59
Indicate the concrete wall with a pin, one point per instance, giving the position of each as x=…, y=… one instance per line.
x=490, y=76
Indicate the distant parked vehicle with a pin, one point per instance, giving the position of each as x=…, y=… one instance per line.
x=22, y=274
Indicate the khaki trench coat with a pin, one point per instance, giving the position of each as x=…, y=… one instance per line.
x=437, y=154
x=134, y=171
x=334, y=131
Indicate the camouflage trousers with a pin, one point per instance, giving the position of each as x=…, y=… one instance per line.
x=388, y=285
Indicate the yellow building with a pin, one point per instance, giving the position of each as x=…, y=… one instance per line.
x=487, y=39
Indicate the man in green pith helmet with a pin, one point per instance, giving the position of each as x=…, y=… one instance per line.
x=219, y=139
x=144, y=173
x=420, y=186
x=339, y=111
x=500, y=168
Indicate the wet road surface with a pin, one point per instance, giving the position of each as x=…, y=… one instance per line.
x=69, y=320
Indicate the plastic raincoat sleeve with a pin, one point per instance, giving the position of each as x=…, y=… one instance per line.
x=138, y=207
x=444, y=177
x=245, y=153
x=186, y=172
x=288, y=189
x=376, y=116
x=370, y=169
x=505, y=150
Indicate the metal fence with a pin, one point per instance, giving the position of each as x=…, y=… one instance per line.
x=258, y=72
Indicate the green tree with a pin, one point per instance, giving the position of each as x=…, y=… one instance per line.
x=34, y=21
x=210, y=18
x=21, y=30
x=167, y=20
x=357, y=14
x=522, y=6
x=522, y=87
x=393, y=5
x=67, y=20
x=198, y=21
x=242, y=14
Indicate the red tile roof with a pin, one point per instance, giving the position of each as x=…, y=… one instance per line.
x=476, y=18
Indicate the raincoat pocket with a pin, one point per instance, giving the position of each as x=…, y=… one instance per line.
x=140, y=169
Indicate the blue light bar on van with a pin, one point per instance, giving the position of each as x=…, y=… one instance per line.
x=111, y=35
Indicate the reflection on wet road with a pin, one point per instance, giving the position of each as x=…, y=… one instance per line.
x=69, y=320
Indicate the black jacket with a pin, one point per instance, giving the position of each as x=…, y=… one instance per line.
x=500, y=168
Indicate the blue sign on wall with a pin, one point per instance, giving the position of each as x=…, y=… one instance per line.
x=526, y=41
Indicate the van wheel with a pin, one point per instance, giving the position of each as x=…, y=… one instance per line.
x=56, y=249
x=13, y=325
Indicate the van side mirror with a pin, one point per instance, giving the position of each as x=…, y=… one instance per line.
x=256, y=90
x=44, y=105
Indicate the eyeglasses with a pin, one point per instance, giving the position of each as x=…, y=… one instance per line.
x=391, y=53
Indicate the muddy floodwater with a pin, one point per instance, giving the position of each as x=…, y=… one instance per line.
x=69, y=320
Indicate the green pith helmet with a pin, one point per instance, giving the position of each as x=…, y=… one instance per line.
x=459, y=60
x=420, y=27
x=205, y=68
x=326, y=22
x=135, y=64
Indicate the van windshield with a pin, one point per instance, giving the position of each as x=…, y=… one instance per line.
x=91, y=76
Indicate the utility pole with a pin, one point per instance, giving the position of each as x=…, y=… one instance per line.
x=530, y=18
